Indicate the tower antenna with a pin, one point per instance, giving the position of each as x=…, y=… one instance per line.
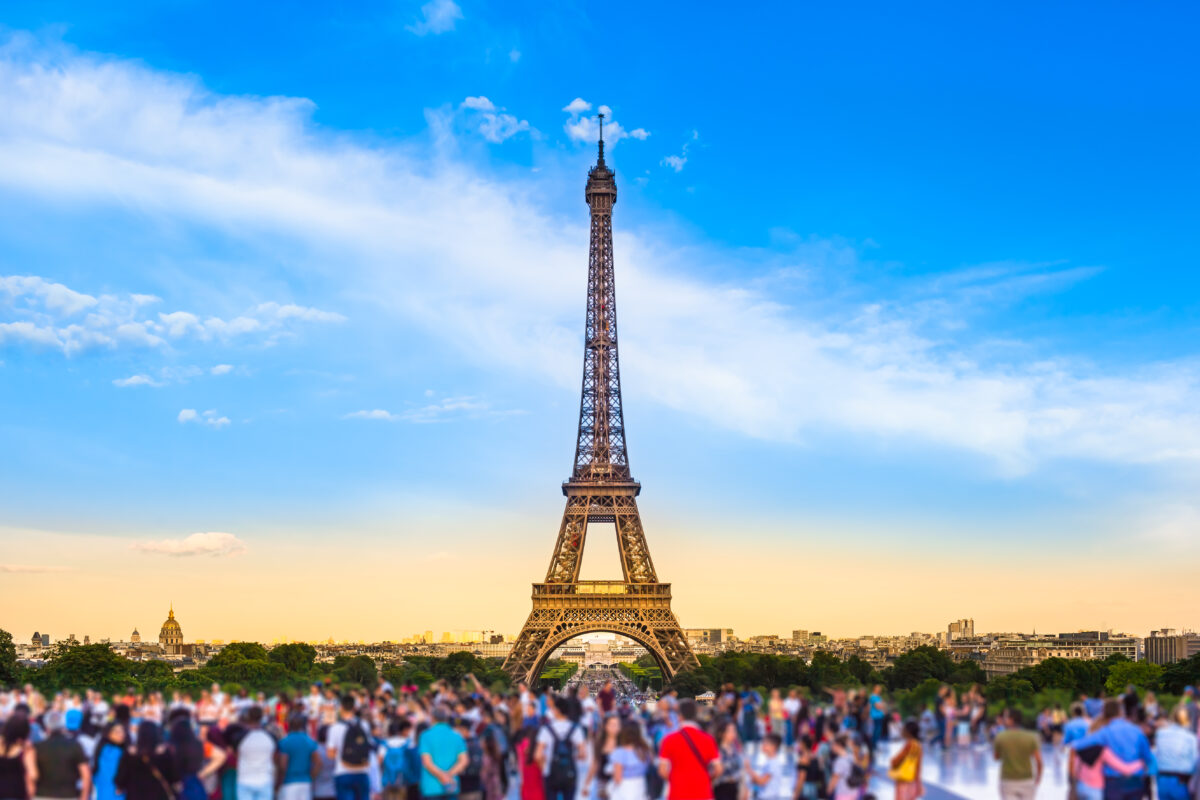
x=601, y=118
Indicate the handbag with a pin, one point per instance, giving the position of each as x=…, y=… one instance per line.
x=907, y=771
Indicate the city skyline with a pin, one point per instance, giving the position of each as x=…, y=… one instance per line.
x=896, y=347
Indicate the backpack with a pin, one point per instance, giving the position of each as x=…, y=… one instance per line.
x=412, y=765
x=356, y=746
x=857, y=776
x=562, y=758
x=474, y=758
x=394, y=762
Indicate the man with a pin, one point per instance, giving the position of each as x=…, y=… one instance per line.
x=443, y=755
x=878, y=711
x=607, y=697
x=1129, y=744
x=256, y=759
x=561, y=743
x=1020, y=755
x=1077, y=725
x=63, y=770
x=299, y=762
x=348, y=745
x=688, y=758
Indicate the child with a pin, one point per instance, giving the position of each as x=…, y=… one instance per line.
x=769, y=770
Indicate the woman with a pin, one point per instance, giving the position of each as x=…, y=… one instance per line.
x=188, y=762
x=630, y=763
x=492, y=772
x=147, y=772
x=18, y=762
x=810, y=774
x=532, y=786
x=107, y=761
x=728, y=785
x=1175, y=750
x=599, y=771
x=848, y=778
x=905, y=766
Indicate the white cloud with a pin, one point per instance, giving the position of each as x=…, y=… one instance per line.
x=734, y=354
x=441, y=411
x=581, y=127
x=479, y=104
x=376, y=413
x=213, y=544
x=136, y=380
x=514, y=55
x=32, y=569
x=221, y=369
x=675, y=162
x=209, y=418
x=491, y=121
x=49, y=314
x=437, y=16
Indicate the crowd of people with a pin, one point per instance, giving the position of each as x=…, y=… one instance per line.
x=446, y=742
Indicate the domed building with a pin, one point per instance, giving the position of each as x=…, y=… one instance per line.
x=135, y=637
x=170, y=636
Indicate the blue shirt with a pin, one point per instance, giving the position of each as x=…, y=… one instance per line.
x=1076, y=728
x=874, y=702
x=298, y=747
x=444, y=746
x=1176, y=749
x=1125, y=739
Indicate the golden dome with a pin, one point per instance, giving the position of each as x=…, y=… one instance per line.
x=170, y=629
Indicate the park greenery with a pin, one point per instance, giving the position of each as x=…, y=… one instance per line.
x=912, y=680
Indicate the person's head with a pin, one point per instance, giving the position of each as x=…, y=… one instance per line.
x=688, y=709
x=612, y=726
x=1180, y=717
x=631, y=736
x=114, y=733
x=1015, y=718
x=16, y=729
x=561, y=707
x=440, y=713
x=348, y=705
x=52, y=721
x=254, y=716
x=912, y=730
x=726, y=733
x=296, y=723
x=1112, y=710
x=771, y=744
x=149, y=737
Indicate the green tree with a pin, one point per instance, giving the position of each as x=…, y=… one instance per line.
x=1180, y=674
x=360, y=670
x=84, y=666
x=153, y=676
x=9, y=670
x=297, y=658
x=1140, y=674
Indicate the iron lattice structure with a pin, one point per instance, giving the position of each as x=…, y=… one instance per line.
x=600, y=490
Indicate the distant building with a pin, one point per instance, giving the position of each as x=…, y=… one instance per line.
x=708, y=635
x=135, y=637
x=170, y=636
x=960, y=629
x=1166, y=646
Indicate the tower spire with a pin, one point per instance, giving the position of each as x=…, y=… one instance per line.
x=600, y=162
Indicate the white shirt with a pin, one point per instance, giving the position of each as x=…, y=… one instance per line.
x=334, y=740
x=562, y=729
x=775, y=768
x=256, y=759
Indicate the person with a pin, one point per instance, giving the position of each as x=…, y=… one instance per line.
x=631, y=763
x=810, y=775
x=1077, y=726
x=1175, y=749
x=443, y=757
x=147, y=771
x=689, y=758
x=561, y=742
x=769, y=770
x=529, y=770
x=470, y=781
x=107, y=760
x=18, y=761
x=492, y=774
x=323, y=783
x=905, y=766
x=878, y=715
x=299, y=763
x=728, y=786
x=63, y=770
x=191, y=767
x=1128, y=744
x=1019, y=752
x=607, y=698
x=348, y=745
x=256, y=759
x=599, y=771
x=847, y=779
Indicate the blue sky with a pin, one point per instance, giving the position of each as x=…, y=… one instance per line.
x=902, y=292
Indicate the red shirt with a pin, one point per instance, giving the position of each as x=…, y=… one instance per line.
x=689, y=779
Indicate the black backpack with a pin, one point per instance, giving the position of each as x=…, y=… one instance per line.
x=474, y=757
x=857, y=776
x=356, y=747
x=562, y=758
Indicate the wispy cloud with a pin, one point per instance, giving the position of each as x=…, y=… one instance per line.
x=33, y=569
x=491, y=121
x=446, y=409
x=728, y=352
x=210, y=418
x=437, y=16
x=214, y=543
x=43, y=313
x=677, y=162
x=136, y=380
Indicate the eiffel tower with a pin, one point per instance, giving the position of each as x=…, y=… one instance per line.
x=600, y=490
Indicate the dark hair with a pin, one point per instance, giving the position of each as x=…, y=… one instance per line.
x=1112, y=709
x=775, y=739
x=347, y=702
x=688, y=709
x=16, y=729
x=562, y=705
x=1016, y=718
x=296, y=723
x=912, y=730
x=323, y=734
x=254, y=715
x=631, y=736
x=187, y=752
x=149, y=736
x=104, y=742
